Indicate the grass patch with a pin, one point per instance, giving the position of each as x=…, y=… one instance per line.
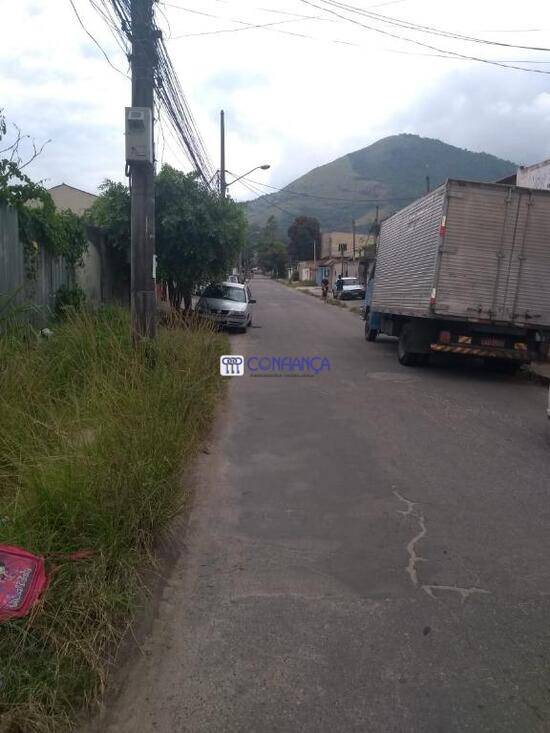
x=93, y=436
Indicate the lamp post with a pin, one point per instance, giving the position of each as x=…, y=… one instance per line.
x=264, y=167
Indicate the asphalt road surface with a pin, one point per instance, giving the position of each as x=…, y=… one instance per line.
x=368, y=549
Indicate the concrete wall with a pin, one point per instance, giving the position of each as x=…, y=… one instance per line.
x=95, y=277
x=12, y=264
x=50, y=273
x=306, y=270
x=88, y=275
x=333, y=268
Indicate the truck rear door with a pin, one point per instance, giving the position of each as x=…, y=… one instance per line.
x=527, y=296
x=478, y=268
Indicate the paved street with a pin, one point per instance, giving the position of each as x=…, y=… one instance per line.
x=368, y=549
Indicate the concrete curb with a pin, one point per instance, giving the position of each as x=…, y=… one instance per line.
x=539, y=372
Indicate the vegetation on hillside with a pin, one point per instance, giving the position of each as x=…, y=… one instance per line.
x=391, y=172
x=93, y=436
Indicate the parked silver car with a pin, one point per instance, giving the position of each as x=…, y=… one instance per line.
x=351, y=288
x=228, y=304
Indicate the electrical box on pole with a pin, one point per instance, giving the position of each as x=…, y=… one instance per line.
x=139, y=135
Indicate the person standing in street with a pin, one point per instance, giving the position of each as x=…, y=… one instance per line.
x=324, y=288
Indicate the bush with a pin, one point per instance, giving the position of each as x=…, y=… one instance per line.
x=92, y=442
x=68, y=299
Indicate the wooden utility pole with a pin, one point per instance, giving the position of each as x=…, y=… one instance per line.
x=223, y=185
x=142, y=179
x=353, y=235
x=428, y=184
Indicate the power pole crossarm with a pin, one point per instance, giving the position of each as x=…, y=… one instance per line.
x=142, y=177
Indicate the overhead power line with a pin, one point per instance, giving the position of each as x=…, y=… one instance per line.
x=169, y=93
x=95, y=41
x=247, y=25
x=409, y=25
x=396, y=36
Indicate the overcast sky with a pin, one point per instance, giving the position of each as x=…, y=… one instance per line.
x=294, y=101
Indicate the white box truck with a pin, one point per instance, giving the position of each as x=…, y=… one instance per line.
x=465, y=269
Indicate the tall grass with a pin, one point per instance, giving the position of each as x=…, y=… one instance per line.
x=93, y=435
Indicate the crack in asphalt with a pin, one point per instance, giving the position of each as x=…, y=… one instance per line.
x=463, y=592
x=414, y=558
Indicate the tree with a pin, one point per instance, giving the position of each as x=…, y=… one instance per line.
x=269, y=233
x=273, y=258
x=111, y=213
x=302, y=234
x=272, y=254
x=199, y=235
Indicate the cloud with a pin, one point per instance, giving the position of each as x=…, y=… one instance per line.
x=295, y=102
x=506, y=113
x=234, y=79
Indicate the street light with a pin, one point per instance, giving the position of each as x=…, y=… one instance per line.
x=264, y=167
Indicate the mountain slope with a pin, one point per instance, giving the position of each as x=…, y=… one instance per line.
x=391, y=172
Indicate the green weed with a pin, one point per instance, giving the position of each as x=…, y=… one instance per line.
x=93, y=437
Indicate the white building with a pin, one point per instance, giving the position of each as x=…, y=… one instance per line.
x=534, y=176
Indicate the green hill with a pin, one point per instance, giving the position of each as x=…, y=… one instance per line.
x=391, y=172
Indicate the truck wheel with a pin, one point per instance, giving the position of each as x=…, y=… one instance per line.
x=405, y=356
x=370, y=333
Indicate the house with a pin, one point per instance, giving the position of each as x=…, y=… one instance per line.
x=332, y=267
x=531, y=176
x=306, y=270
x=331, y=244
x=69, y=197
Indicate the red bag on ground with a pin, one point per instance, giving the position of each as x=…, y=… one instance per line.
x=22, y=579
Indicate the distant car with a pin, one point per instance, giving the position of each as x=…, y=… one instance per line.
x=352, y=288
x=228, y=304
x=232, y=279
